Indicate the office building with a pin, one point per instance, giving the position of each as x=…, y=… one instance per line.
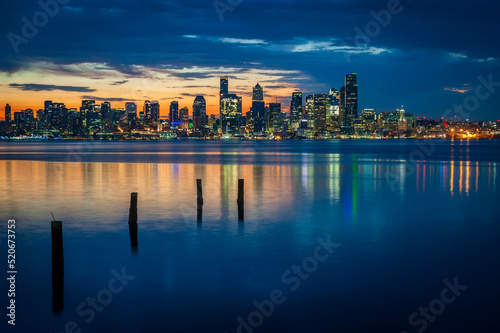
x=131, y=108
x=296, y=110
x=155, y=111
x=200, y=118
x=8, y=116
x=258, y=110
x=174, y=113
x=321, y=107
x=224, y=85
x=184, y=117
x=351, y=95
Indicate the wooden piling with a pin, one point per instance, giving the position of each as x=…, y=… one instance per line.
x=57, y=267
x=199, y=199
x=241, y=199
x=133, y=207
x=132, y=222
x=132, y=228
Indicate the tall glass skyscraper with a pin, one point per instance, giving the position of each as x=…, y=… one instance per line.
x=131, y=108
x=224, y=85
x=296, y=110
x=321, y=108
x=8, y=116
x=200, y=118
x=258, y=94
x=230, y=108
x=258, y=110
x=155, y=111
x=351, y=95
x=174, y=112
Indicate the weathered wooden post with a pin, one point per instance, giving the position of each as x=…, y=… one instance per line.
x=57, y=267
x=133, y=207
x=132, y=222
x=199, y=199
x=241, y=199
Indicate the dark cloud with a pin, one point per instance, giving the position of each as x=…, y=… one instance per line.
x=192, y=75
x=48, y=87
x=110, y=99
x=276, y=87
x=117, y=83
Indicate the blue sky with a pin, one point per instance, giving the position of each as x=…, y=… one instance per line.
x=428, y=57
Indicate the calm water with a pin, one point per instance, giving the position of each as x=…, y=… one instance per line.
x=407, y=215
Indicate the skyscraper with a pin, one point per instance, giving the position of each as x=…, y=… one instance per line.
x=342, y=114
x=106, y=111
x=230, y=107
x=131, y=108
x=230, y=112
x=296, y=110
x=258, y=109
x=224, y=85
x=275, y=121
x=258, y=93
x=184, y=117
x=147, y=110
x=200, y=118
x=86, y=110
x=174, y=112
x=351, y=95
x=321, y=109
x=155, y=111
x=309, y=111
x=8, y=117
x=335, y=106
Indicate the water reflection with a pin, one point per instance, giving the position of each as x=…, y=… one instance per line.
x=169, y=190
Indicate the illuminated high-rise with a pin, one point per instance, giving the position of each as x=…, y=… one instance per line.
x=87, y=110
x=174, y=113
x=184, y=117
x=224, y=85
x=230, y=108
x=351, y=95
x=131, y=108
x=200, y=118
x=275, y=119
x=147, y=110
x=258, y=94
x=309, y=111
x=230, y=113
x=321, y=107
x=258, y=110
x=296, y=110
x=8, y=117
x=106, y=111
x=155, y=111
x=335, y=103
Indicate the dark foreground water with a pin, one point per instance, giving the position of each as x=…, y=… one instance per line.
x=339, y=236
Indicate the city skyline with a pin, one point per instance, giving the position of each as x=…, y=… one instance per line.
x=176, y=50
x=247, y=103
